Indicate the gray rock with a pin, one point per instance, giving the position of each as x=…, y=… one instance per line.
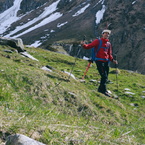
x=130, y=93
x=26, y=54
x=13, y=42
x=134, y=104
x=19, y=139
x=8, y=51
x=94, y=81
x=70, y=74
x=82, y=81
x=127, y=89
x=46, y=68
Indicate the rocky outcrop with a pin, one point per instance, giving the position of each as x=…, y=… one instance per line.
x=13, y=42
x=16, y=43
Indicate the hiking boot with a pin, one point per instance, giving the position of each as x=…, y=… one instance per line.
x=109, y=82
x=107, y=94
x=100, y=90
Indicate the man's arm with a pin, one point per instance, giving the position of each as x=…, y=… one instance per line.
x=90, y=45
x=110, y=55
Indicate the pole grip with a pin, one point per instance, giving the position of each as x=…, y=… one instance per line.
x=84, y=38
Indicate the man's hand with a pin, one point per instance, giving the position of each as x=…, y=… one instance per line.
x=82, y=43
x=115, y=61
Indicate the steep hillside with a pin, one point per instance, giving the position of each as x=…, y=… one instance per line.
x=42, y=22
x=55, y=107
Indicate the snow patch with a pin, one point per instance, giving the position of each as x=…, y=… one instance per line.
x=133, y=2
x=85, y=58
x=52, y=31
x=46, y=30
x=99, y=14
x=82, y=10
x=103, y=2
x=62, y=24
x=100, y=1
x=35, y=44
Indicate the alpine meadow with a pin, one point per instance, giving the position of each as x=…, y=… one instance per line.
x=55, y=107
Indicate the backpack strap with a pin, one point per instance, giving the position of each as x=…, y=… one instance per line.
x=100, y=44
x=95, y=51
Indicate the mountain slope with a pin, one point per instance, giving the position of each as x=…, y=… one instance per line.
x=41, y=23
x=54, y=108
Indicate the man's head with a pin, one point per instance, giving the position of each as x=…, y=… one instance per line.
x=106, y=33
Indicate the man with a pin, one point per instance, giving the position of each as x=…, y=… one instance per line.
x=102, y=55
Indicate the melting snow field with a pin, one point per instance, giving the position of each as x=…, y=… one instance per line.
x=9, y=16
x=47, y=11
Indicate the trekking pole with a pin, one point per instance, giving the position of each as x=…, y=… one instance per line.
x=84, y=38
x=74, y=63
x=89, y=64
x=116, y=66
x=87, y=68
x=117, y=77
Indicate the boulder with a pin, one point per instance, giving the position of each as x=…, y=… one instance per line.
x=19, y=139
x=13, y=42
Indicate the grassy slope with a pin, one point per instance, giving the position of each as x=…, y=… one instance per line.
x=47, y=107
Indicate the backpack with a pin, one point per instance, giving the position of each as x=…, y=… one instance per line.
x=94, y=51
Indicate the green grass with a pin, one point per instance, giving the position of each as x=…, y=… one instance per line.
x=53, y=108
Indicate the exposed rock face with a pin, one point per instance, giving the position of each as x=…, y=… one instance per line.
x=28, y=5
x=5, y=4
x=128, y=27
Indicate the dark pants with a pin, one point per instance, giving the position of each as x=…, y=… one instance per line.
x=103, y=69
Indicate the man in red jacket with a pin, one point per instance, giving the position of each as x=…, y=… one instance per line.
x=102, y=55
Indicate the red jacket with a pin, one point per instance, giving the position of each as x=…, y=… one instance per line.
x=104, y=53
